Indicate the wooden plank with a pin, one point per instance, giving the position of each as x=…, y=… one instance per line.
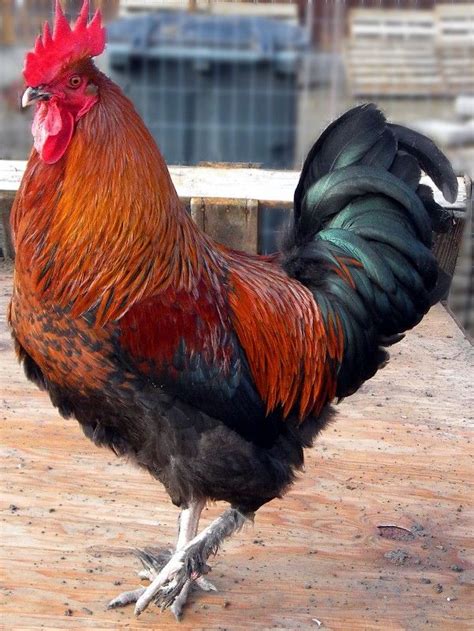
x=368, y=44
x=386, y=89
x=6, y=245
x=227, y=182
x=7, y=23
x=454, y=24
x=395, y=76
x=446, y=245
x=391, y=23
x=457, y=68
x=284, y=10
x=230, y=219
x=380, y=58
x=380, y=14
x=394, y=66
x=454, y=40
x=461, y=297
x=397, y=44
x=400, y=453
x=233, y=222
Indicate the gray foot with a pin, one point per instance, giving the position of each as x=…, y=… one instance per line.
x=189, y=563
x=189, y=569
x=153, y=562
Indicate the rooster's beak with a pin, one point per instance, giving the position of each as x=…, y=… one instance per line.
x=31, y=95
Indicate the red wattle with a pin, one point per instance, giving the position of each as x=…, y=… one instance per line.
x=55, y=146
x=52, y=130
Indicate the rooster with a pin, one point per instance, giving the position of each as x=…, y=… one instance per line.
x=210, y=368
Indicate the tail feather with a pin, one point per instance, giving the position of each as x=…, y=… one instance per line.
x=362, y=235
x=406, y=168
x=343, y=143
x=332, y=192
x=431, y=159
x=382, y=153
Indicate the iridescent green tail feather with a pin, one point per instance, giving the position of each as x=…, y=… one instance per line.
x=362, y=234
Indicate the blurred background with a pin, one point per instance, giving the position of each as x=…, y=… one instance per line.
x=255, y=81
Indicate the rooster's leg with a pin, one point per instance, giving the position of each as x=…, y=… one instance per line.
x=188, y=527
x=189, y=563
x=154, y=562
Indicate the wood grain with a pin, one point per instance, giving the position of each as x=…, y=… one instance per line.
x=399, y=454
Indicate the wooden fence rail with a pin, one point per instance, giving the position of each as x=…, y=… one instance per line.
x=241, y=207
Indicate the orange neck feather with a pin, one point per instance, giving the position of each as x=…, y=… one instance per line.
x=104, y=227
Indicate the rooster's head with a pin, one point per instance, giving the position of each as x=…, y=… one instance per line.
x=59, y=75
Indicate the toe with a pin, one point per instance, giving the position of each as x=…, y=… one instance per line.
x=205, y=585
x=126, y=598
x=180, y=601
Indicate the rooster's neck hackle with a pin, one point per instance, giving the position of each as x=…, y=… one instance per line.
x=105, y=228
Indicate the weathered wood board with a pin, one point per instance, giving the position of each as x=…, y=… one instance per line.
x=227, y=181
x=392, y=52
x=213, y=195
x=399, y=454
x=400, y=52
x=283, y=10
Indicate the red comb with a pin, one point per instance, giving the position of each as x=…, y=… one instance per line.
x=52, y=51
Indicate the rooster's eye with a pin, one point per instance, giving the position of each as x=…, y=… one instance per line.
x=75, y=81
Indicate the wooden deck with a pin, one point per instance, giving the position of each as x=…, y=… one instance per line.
x=400, y=454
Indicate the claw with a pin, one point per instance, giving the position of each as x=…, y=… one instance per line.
x=180, y=601
x=205, y=585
